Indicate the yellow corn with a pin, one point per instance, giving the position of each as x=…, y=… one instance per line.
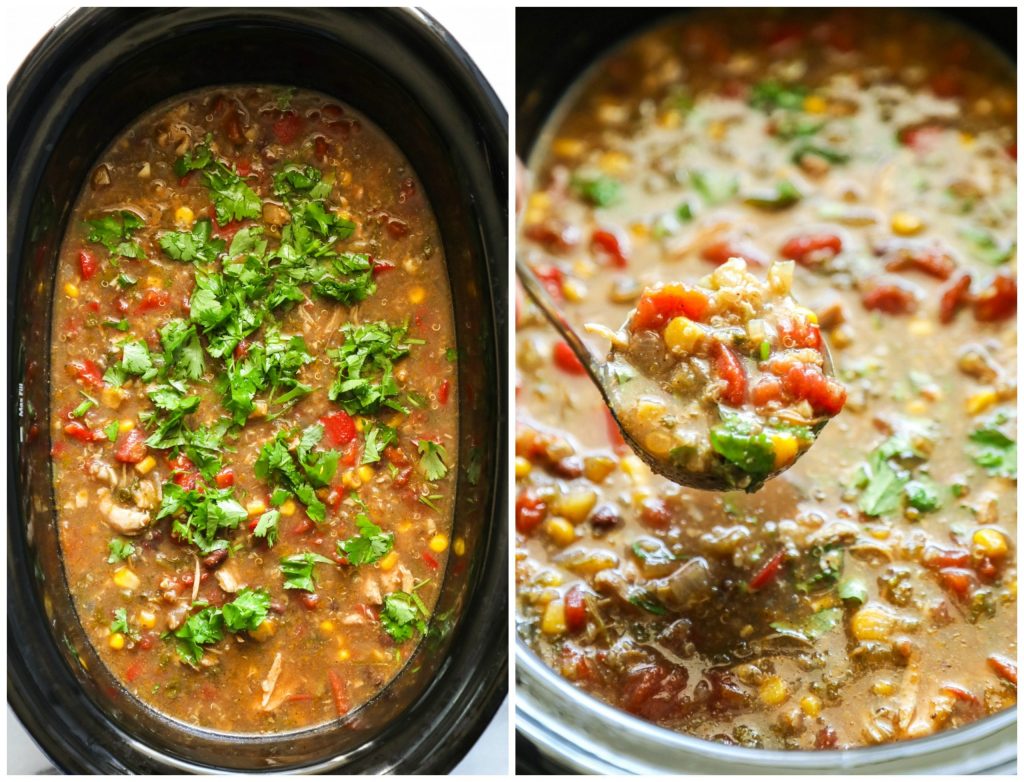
x=184, y=216
x=360, y=424
x=153, y=282
x=659, y=443
x=126, y=579
x=255, y=508
x=539, y=200
x=670, y=119
x=990, y=543
x=327, y=626
x=389, y=560
x=146, y=465
x=417, y=295
x=116, y=640
x=966, y=139
x=981, y=401
x=773, y=691
x=574, y=290
x=71, y=290
x=548, y=578
x=147, y=619
x=288, y=507
x=265, y=630
x=810, y=315
x=575, y=505
x=917, y=407
x=682, y=335
x=614, y=162
x=906, y=224
x=459, y=547
x=717, y=129
x=349, y=480
x=810, y=705
x=112, y=396
x=365, y=473
x=404, y=526
x=438, y=543
x=560, y=531
x=343, y=655
x=553, y=622
x=785, y=447
x=125, y=425
x=523, y=467
x=872, y=623
x=883, y=687
x=597, y=468
x=634, y=468
x=567, y=147
x=815, y=104
x=639, y=230
x=584, y=268
x=920, y=327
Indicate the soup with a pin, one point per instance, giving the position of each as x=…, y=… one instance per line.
x=254, y=412
x=868, y=594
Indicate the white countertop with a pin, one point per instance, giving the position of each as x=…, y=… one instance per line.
x=490, y=45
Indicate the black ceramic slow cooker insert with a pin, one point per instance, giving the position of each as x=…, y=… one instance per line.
x=89, y=78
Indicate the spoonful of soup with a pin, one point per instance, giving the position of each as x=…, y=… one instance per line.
x=719, y=385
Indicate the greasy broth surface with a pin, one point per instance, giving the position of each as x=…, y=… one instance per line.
x=325, y=653
x=801, y=620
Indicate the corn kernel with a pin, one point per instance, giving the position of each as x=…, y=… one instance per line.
x=145, y=466
x=545, y=596
x=639, y=230
x=567, y=147
x=112, y=396
x=154, y=282
x=810, y=705
x=575, y=505
x=265, y=630
x=438, y=543
x=597, y=468
x=404, y=526
x=360, y=424
x=682, y=335
x=553, y=622
x=417, y=295
x=671, y=119
x=917, y=407
x=815, y=104
x=389, y=560
x=872, y=623
x=966, y=139
x=634, y=468
x=883, y=688
x=584, y=268
x=560, y=531
x=255, y=508
x=539, y=200
x=548, y=578
x=147, y=619
x=810, y=315
x=343, y=655
x=349, y=480
x=659, y=443
x=592, y=562
x=990, y=542
x=574, y=290
x=71, y=290
x=116, y=640
x=184, y=216
x=717, y=129
x=126, y=579
x=459, y=547
x=614, y=163
x=288, y=507
x=327, y=626
x=785, y=447
x=920, y=327
x=125, y=425
x=523, y=467
x=773, y=691
x=906, y=224
x=981, y=401
x=365, y=473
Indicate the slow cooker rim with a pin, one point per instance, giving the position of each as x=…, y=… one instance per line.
x=490, y=115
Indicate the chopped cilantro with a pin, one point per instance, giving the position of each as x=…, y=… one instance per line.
x=369, y=545
x=297, y=570
x=302, y=472
x=199, y=516
x=114, y=231
x=111, y=430
x=365, y=363
x=378, y=437
x=813, y=627
x=990, y=448
x=601, y=191
x=714, y=187
x=204, y=627
x=402, y=613
x=120, y=624
x=267, y=526
x=120, y=550
x=432, y=458
x=768, y=95
x=247, y=611
x=195, y=246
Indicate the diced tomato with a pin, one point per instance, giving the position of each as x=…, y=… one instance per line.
x=575, y=610
x=960, y=581
x=338, y=693
x=243, y=166
x=288, y=127
x=947, y=83
x=921, y=138
x=350, y=455
x=998, y=301
x=380, y=266
x=430, y=559
x=812, y=250
x=954, y=296
x=93, y=305
x=610, y=246
x=1004, y=667
x=133, y=671
x=339, y=427
x=88, y=265
x=731, y=372
x=890, y=298
x=554, y=237
x=566, y=360
x=552, y=278
x=153, y=299
x=225, y=478
x=443, y=391
x=655, y=513
x=87, y=371
x=826, y=738
x=720, y=252
x=396, y=456
x=241, y=350
x=131, y=448
x=933, y=262
x=653, y=692
x=769, y=572
x=530, y=511
x=959, y=693
x=659, y=305
x=76, y=430
x=766, y=391
x=936, y=557
x=803, y=381
x=799, y=333
x=185, y=473
x=303, y=526
x=59, y=449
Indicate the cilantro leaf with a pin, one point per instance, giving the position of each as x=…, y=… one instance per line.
x=120, y=624
x=199, y=516
x=401, y=614
x=883, y=489
x=432, y=458
x=247, y=611
x=995, y=451
x=197, y=245
x=813, y=627
x=267, y=526
x=297, y=570
x=378, y=437
x=365, y=363
x=114, y=231
x=369, y=545
x=120, y=550
x=202, y=628
x=600, y=191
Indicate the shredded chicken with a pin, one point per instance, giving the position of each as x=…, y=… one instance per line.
x=371, y=590
x=101, y=471
x=227, y=580
x=127, y=521
x=271, y=681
